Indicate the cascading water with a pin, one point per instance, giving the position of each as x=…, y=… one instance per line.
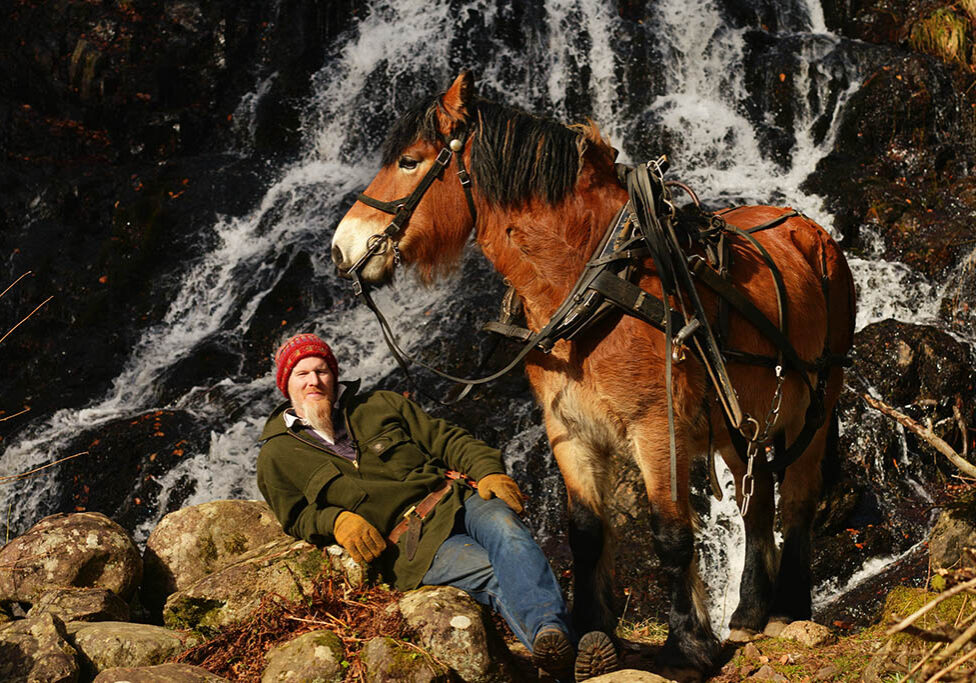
x=568, y=58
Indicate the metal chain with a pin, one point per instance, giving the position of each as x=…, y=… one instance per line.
x=758, y=438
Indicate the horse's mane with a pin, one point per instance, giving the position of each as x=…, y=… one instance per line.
x=515, y=156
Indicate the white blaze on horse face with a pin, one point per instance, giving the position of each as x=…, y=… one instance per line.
x=350, y=242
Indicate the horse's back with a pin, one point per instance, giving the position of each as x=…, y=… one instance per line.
x=814, y=270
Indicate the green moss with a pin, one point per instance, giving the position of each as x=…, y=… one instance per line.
x=311, y=564
x=207, y=551
x=194, y=614
x=903, y=601
x=235, y=544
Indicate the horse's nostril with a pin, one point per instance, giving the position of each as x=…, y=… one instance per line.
x=336, y=255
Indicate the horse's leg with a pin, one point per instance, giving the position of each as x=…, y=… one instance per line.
x=691, y=642
x=584, y=471
x=799, y=493
x=759, y=567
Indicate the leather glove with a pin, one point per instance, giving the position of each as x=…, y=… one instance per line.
x=358, y=537
x=504, y=487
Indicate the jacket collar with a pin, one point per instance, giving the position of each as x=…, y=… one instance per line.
x=275, y=426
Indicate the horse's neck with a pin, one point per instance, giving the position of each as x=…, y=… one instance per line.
x=542, y=250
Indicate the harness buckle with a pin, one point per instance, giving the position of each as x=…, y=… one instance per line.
x=463, y=176
x=444, y=156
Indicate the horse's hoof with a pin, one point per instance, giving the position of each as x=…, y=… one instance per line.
x=596, y=656
x=552, y=652
x=775, y=627
x=742, y=635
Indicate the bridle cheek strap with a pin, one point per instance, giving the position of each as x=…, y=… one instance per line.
x=403, y=208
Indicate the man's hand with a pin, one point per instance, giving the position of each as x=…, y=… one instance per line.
x=504, y=487
x=359, y=538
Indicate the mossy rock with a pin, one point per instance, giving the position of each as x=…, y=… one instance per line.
x=903, y=601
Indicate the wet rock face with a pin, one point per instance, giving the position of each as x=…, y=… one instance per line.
x=86, y=550
x=881, y=481
x=115, y=123
x=899, y=180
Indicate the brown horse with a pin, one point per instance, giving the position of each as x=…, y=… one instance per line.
x=540, y=199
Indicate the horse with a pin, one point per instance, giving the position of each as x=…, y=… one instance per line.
x=538, y=196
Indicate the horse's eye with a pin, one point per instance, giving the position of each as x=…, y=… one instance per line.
x=408, y=164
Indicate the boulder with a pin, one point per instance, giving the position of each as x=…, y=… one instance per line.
x=107, y=644
x=387, y=660
x=316, y=657
x=629, y=676
x=953, y=532
x=191, y=543
x=452, y=628
x=161, y=673
x=85, y=550
x=808, y=633
x=82, y=604
x=36, y=649
x=285, y=568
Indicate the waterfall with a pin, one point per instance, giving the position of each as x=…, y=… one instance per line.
x=561, y=59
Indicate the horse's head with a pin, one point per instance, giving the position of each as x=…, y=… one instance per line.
x=420, y=185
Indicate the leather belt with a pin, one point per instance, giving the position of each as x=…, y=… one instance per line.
x=419, y=511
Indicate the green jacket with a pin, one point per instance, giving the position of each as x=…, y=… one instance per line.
x=403, y=454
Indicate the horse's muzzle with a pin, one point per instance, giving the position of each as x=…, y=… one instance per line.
x=338, y=259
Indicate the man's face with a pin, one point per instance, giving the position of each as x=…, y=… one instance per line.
x=310, y=382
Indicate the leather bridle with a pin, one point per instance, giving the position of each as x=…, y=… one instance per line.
x=402, y=209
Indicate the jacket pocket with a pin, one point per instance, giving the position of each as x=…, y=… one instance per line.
x=381, y=445
x=328, y=486
x=392, y=454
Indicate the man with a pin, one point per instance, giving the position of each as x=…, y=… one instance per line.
x=377, y=475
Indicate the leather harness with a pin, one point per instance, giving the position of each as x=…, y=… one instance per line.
x=646, y=225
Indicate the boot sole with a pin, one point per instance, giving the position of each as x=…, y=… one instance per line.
x=596, y=656
x=553, y=653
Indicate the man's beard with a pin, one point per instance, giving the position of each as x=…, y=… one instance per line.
x=318, y=413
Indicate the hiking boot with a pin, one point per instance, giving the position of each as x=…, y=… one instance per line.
x=596, y=656
x=552, y=652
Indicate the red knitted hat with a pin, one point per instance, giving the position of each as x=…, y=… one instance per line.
x=294, y=350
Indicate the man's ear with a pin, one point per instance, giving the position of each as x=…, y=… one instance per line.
x=454, y=104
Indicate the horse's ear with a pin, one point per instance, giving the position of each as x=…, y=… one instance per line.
x=454, y=103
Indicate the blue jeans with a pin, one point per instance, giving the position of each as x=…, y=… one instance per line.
x=493, y=557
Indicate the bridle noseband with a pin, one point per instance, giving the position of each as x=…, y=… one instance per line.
x=402, y=209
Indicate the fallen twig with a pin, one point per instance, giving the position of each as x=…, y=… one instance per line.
x=25, y=318
x=954, y=665
x=921, y=662
x=926, y=434
x=25, y=475
x=14, y=283
x=10, y=417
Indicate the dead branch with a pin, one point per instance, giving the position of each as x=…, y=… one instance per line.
x=954, y=665
x=10, y=417
x=921, y=663
x=961, y=424
x=29, y=473
x=925, y=433
x=25, y=319
x=14, y=283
